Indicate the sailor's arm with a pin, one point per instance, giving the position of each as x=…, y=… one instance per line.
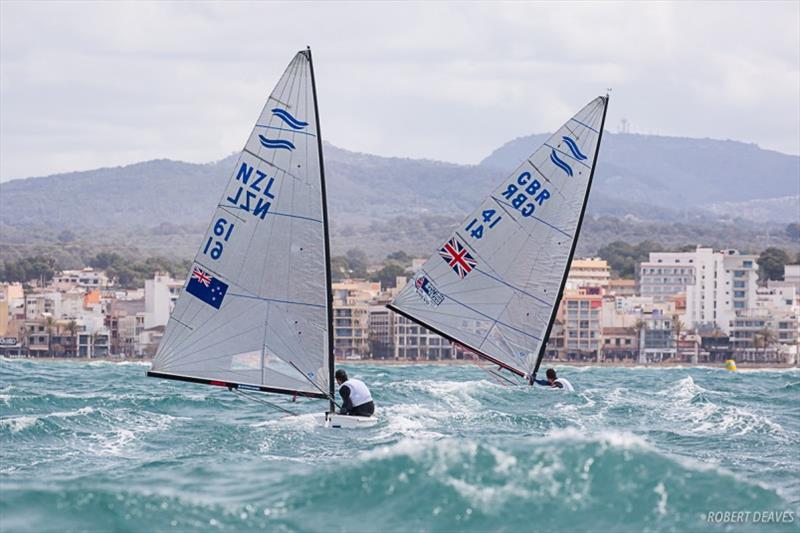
x=347, y=403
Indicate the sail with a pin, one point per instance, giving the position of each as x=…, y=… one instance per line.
x=494, y=284
x=256, y=301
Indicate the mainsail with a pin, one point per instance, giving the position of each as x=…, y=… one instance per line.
x=255, y=311
x=494, y=285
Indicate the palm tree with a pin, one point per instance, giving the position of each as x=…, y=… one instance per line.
x=639, y=327
x=767, y=337
x=677, y=328
x=49, y=322
x=72, y=327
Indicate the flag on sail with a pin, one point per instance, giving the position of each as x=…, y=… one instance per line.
x=255, y=304
x=498, y=278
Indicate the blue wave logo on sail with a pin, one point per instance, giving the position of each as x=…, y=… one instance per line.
x=559, y=163
x=576, y=152
x=287, y=118
x=276, y=143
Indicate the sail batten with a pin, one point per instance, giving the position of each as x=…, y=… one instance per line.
x=494, y=284
x=255, y=306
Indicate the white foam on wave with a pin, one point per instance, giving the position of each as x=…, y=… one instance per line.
x=707, y=417
x=22, y=422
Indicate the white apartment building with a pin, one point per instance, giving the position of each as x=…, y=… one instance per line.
x=351, y=303
x=160, y=295
x=87, y=278
x=412, y=341
x=591, y=272
x=717, y=284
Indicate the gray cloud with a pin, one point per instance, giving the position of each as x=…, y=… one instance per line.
x=84, y=85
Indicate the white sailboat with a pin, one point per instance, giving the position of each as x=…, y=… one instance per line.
x=495, y=284
x=256, y=312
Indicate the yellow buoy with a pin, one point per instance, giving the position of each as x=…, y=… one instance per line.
x=730, y=364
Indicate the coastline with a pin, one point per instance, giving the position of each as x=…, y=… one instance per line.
x=452, y=362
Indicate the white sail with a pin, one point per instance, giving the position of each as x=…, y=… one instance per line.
x=256, y=300
x=494, y=284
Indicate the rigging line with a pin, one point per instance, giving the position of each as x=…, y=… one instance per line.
x=284, y=129
x=263, y=401
x=327, y=394
x=555, y=186
x=497, y=375
x=491, y=374
x=228, y=208
x=584, y=125
x=275, y=300
x=270, y=163
x=454, y=340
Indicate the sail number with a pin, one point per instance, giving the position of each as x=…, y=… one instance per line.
x=222, y=232
x=488, y=216
x=525, y=194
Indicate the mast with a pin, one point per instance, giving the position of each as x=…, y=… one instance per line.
x=328, y=285
x=560, y=295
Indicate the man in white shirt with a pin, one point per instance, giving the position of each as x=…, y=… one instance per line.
x=356, y=398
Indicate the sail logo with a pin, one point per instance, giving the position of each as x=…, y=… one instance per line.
x=573, y=147
x=288, y=119
x=557, y=161
x=276, y=143
x=429, y=293
x=457, y=257
x=206, y=287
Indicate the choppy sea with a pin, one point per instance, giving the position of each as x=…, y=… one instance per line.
x=100, y=447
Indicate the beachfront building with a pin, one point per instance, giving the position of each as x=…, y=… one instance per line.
x=590, y=272
x=580, y=317
x=86, y=278
x=412, y=341
x=160, y=295
x=380, y=324
x=717, y=284
x=620, y=344
x=351, y=303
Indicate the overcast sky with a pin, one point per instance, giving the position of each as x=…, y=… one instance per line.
x=84, y=85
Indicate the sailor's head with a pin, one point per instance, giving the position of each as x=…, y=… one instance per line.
x=341, y=376
x=551, y=375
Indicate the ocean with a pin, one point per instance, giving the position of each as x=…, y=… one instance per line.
x=100, y=447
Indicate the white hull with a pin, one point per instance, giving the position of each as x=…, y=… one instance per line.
x=347, y=422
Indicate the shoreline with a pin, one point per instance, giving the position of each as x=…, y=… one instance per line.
x=453, y=362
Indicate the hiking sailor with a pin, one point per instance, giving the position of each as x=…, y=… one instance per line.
x=554, y=382
x=356, y=399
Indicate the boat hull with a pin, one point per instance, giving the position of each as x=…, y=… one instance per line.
x=336, y=421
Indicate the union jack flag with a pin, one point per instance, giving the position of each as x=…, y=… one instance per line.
x=457, y=256
x=201, y=276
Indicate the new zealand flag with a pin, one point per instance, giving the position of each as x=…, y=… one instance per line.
x=206, y=287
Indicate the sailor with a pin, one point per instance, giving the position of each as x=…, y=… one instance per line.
x=554, y=382
x=356, y=399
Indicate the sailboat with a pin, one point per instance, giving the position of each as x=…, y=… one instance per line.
x=255, y=314
x=495, y=283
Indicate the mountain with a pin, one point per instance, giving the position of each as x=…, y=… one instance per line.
x=674, y=172
x=678, y=190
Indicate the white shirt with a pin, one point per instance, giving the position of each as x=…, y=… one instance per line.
x=359, y=393
x=566, y=385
